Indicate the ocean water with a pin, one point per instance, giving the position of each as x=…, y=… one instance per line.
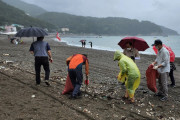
x=110, y=42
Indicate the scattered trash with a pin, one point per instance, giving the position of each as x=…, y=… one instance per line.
x=2, y=67
x=86, y=111
x=113, y=106
x=172, y=118
x=5, y=54
x=33, y=96
x=8, y=62
x=86, y=95
x=148, y=113
x=115, y=115
x=80, y=108
x=123, y=117
x=6, y=69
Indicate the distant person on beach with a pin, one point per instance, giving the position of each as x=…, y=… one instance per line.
x=41, y=51
x=75, y=64
x=129, y=73
x=90, y=44
x=162, y=65
x=131, y=52
x=172, y=68
x=84, y=44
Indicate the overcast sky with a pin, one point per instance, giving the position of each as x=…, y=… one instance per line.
x=161, y=12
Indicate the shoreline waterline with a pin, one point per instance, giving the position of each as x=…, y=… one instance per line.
x=95, y=47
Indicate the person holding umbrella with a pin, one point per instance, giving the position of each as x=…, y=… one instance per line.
x=132, y=46
x=75, y=64
x=162, y=65
x=41, y=51
x=131, y=52
x=90, y=44
x=84, y=43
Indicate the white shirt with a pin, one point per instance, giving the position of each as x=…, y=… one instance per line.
x=163, y=58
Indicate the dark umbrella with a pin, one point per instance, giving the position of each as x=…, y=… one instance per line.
x=138, y=43
x=31, y=32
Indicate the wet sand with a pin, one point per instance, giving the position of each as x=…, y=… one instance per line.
x=21, y=99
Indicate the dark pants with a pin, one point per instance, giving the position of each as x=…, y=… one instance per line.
x=172, y=77
x=76, y=77
x=45, y=63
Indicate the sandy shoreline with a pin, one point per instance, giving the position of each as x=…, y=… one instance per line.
x=102, y=99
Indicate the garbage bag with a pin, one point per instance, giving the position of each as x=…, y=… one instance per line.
x=68, y=86
x=151, y=76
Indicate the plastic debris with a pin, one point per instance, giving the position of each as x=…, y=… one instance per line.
x=86, y=111
x=5, y=54
x=172, y=118
x=148, y=113
x=2, y=67
x=33, y=96
x=115, y=115
x=8, y=62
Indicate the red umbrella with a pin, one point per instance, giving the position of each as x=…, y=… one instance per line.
x=171, y=53
x=82, y=40
x=138, y=43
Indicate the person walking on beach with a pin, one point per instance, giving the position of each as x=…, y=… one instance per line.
x=129, y=73
x=75, y=64
x=131, y=52
x=162, y=65
x=41, y=51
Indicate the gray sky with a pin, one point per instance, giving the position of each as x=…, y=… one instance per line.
x=161, y=12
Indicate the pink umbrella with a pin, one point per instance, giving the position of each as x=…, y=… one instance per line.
x=171, y=53
x=82, y=40
x=138, y=43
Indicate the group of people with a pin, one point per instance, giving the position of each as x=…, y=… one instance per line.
x=129, y=72
x=162, y=64
x=83, y=42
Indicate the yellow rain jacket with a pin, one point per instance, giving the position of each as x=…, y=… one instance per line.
x=129, y=72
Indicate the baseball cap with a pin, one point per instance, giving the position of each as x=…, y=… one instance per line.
x=157, y=42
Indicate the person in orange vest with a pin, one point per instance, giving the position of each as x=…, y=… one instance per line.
x=75, y=64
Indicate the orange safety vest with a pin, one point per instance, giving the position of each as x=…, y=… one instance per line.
x=76, y=60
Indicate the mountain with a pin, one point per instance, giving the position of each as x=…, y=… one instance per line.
x=30, y=9
x=105, y=26
x=167, y=31
x=11, y=15
x=92, y=25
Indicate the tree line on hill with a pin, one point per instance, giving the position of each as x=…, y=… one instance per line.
x=54, y=21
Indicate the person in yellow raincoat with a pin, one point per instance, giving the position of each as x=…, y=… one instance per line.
x=130, y=72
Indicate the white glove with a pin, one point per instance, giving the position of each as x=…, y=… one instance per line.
x=155, y=67
x=152, y=64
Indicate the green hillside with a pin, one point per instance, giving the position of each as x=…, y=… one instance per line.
x=106, y=26
x=10, y=15
x=30, y=9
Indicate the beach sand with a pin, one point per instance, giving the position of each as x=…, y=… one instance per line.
x=21, y=99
